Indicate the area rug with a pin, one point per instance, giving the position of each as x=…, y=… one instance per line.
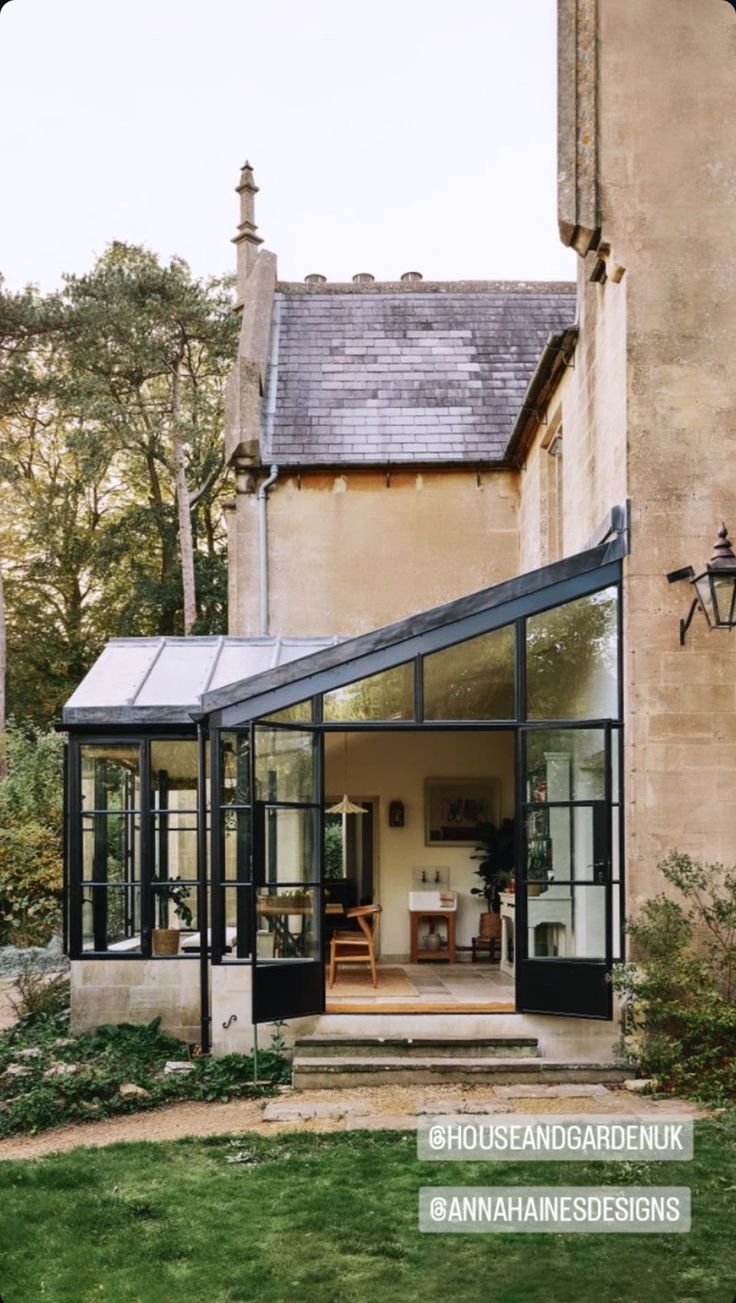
x=359, y=984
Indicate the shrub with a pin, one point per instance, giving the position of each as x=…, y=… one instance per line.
x=681, y=987
x=31, y=805
x=106, y=1059
x=38, y=995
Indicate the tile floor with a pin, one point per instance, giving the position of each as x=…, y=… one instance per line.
x=447, y=984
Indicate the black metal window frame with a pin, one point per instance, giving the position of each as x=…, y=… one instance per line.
x=150, y=817
x=557, y=595
x=572, y=584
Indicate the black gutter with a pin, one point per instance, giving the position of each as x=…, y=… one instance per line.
x=556, y=358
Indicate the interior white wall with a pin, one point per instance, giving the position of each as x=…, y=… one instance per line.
x=393, y=766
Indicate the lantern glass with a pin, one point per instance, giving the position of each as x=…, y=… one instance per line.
x=717, y=595
x=724, y=597
x=705, y=597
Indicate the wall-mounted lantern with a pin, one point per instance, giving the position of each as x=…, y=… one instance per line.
x=715, y=588
x=396, y=814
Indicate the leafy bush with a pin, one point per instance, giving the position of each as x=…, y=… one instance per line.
x=681, y=988
x=31, y=813
x=67, y=1078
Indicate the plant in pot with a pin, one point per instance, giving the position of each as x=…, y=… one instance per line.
x=495, y=853
x=170, y=891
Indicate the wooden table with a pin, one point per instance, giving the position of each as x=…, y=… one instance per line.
x=446, y=954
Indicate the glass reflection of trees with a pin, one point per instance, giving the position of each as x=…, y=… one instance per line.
x=572, y=659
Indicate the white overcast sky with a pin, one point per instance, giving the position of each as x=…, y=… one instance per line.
x=387, y=136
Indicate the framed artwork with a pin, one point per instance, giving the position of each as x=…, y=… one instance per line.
x=454, y=808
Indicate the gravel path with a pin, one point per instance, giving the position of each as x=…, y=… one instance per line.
x=373, y=1107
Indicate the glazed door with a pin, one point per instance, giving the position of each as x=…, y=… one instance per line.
x=288, y=967
x=568, y=881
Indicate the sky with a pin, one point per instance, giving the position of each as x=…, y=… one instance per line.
x=398, y=135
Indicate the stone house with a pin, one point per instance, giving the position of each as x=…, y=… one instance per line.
x=455, y=507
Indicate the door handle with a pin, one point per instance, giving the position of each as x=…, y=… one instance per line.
x=600, y=871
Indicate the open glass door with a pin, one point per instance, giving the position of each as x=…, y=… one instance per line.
x=567, y=879
x=288, y=968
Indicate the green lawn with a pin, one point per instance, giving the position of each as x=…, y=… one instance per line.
x=334, y=1218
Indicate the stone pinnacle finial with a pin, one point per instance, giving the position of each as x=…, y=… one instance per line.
x=723, y=554
x=247, y=239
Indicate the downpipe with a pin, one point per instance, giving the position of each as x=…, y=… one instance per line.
x=261, y=497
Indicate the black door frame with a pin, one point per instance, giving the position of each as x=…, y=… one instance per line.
x=287, y=987
x=566, y=986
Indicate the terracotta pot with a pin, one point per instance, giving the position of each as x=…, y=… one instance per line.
x=165, y=940
x=534, y=888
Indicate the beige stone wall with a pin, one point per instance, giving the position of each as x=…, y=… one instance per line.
x=349, y=553
x=137, y=991
x=586, y=421
x=667, y=158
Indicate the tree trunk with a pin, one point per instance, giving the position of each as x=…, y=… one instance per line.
x=186, y=545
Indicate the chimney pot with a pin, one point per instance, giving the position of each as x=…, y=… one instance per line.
x=411, y=276
x=315, y=278
x=363, y=278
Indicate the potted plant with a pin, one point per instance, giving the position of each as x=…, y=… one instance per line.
x=165, y=940
x=495, y=853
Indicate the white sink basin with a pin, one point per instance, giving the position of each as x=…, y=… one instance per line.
x=444, y=900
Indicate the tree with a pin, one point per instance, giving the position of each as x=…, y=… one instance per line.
x=151, y=348
x=111, y=470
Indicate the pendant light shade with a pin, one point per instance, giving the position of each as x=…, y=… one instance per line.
x=346, y=806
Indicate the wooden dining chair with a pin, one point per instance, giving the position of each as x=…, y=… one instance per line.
x=355, y=947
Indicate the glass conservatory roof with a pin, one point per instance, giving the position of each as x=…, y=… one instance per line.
x=147, y=680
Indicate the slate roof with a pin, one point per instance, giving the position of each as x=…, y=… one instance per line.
x=388, y=373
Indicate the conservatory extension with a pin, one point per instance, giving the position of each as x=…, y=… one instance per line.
x=210, y=848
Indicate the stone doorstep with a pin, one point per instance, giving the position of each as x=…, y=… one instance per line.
x=339, y=1073
x=345, y=1048
x=444, y=1063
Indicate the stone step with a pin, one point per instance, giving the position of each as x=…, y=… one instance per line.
x=415, y=1046
x=324, y=1072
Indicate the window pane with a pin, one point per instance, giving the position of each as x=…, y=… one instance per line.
x=236, y=845
x=286, y=765
x=174, y=775
x=286, y=924
x=235, y=768
x=111, y=778
x=175, y=846
x=111, y=847
x=572, y=654
x=473, y=680
x=565, y=765
x=300, y=712
x=291, y=849
x=111, y=919
x=567, y=922
x=237, y=923
x=565, y=842
x=388, y=695
x=616, y=919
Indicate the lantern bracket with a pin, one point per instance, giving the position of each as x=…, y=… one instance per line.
x=685, y=624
